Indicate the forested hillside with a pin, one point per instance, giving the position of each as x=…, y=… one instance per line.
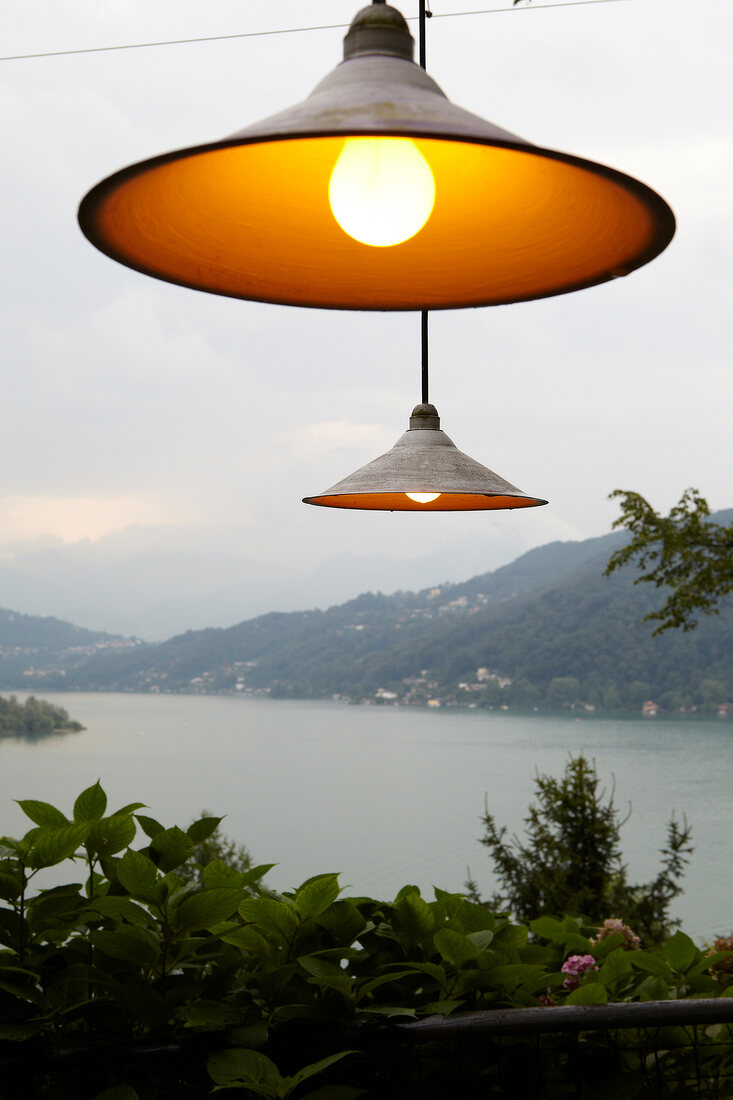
x=38, y=651
x=548, y=630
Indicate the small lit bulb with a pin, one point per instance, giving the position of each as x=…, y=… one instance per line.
x=382, y=190
x=422, y=498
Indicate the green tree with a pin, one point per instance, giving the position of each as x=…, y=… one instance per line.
x=683, y=551
x=563, y=691
x=33, y=716
x=571, y=861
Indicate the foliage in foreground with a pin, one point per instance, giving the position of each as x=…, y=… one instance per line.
x=683, y=551
x=259, y=983
x=571, y=861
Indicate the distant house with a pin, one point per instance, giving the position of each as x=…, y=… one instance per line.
x=649, y=709
x=725, y=710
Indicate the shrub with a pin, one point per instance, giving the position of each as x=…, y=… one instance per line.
x=263, y=987
x=571, y=861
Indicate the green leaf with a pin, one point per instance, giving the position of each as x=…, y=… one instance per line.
x=513, y=975
x=269, y=914
x=128, y=809
x=326, y=973
x=111, y=834
x=592, y=994
x=173, y=847
x=343, y=920
x=205, y=909
x=149, y=825
x=91, y=804
x=413, y=918
x=138, y=875
x=118, y=1092
x=473, y=918
x=42, y=813
x=120, y=909
x=51, y=844
x=484, y=939
x=455, y=948
x=11, y=885
x=616, y=965
x=129, y=943
x=12, y=928
x=210, y=1015
x=317, y=1067
x=250, y=941
x=253, y=876
x=652, y=964
x=285, y=1013
x=680, y=952
x=389, y=1010
x=385, y=979
x=315, y=895
x=218, y=875
x=245, y=1067
x=21, y=986
x=511, y=938
x=46, y=908
x=203, y=828
x=547, y=928
x=442, y=1008
x=653, y=989
x=18, y=1033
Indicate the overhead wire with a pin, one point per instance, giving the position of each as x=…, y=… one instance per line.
x=291, y=30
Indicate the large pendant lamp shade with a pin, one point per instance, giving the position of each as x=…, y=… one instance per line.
x=482, y=216
x=424, y=472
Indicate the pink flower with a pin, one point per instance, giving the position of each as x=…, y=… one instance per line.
x=574, y=967
x=612, y=926
x=725, y=966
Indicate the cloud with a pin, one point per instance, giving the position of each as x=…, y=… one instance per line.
x=71, y=519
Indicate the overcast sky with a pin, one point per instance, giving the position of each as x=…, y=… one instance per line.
x=141, y=418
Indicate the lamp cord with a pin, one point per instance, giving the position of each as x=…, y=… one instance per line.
x=425, y=14
x=424, y=327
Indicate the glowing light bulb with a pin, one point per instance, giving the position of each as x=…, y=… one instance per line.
x=422, y=498
x=382, y=190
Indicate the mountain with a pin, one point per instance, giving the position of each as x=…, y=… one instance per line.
x=548, y=629
x=153, y=583
x=41, y=651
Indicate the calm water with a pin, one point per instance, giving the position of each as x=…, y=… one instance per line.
x=383, y=795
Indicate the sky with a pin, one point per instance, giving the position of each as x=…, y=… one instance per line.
x=156, y=441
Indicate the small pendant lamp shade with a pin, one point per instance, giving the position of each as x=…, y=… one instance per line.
x=254, y=216
x=424, y=472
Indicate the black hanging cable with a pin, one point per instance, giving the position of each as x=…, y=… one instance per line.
x=425, y=13
x=424, y=319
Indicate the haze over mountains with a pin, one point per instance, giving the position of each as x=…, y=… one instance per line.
x=549, y=629
x=137, y=583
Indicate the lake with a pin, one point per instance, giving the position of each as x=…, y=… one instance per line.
x=384, y=795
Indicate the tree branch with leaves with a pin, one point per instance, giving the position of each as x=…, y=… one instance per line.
x=683, y=551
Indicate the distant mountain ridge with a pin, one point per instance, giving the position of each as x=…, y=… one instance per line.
x=41, y=650
x=549, y=629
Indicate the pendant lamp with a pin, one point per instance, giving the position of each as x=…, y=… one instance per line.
x=424, y=472
x=377, y=193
